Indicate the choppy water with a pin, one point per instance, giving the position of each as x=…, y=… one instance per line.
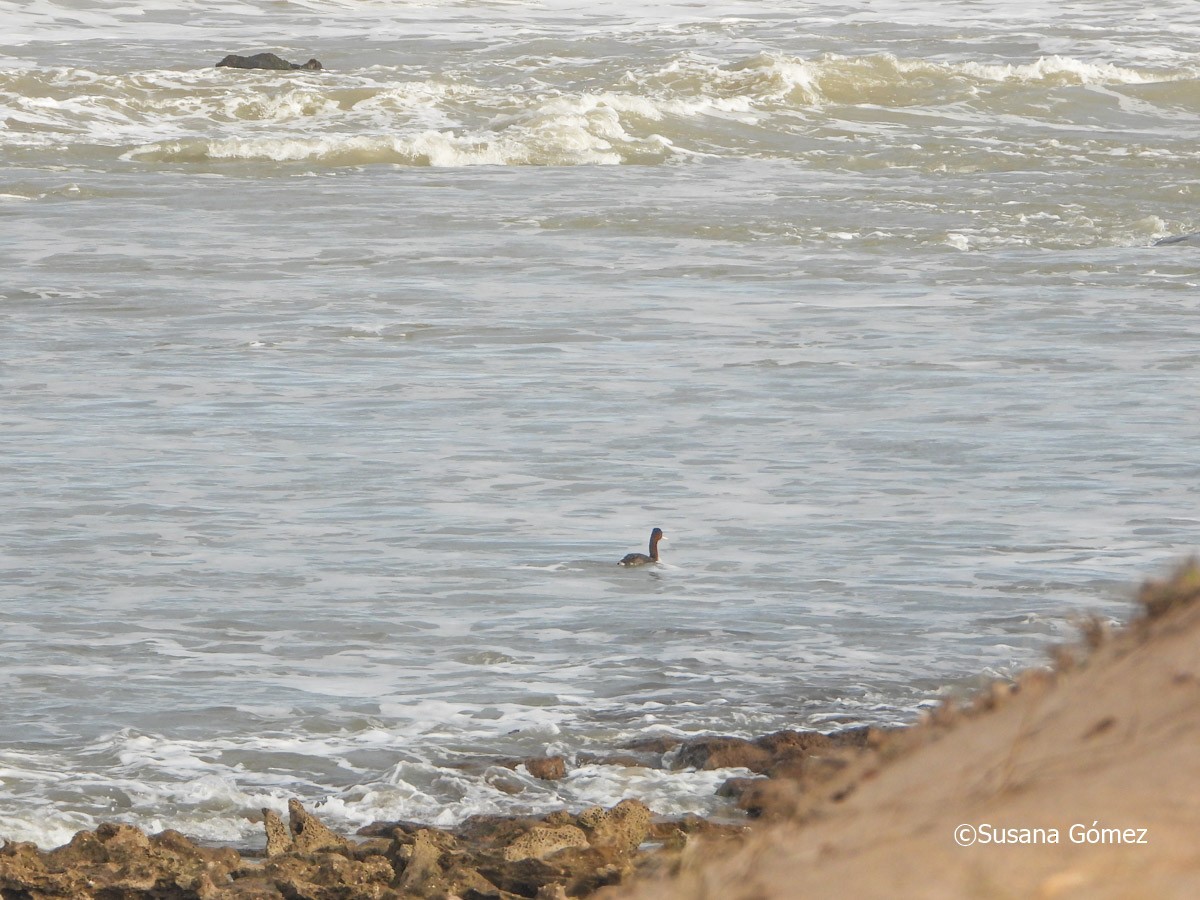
x=330, y=399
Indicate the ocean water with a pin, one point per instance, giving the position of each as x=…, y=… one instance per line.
x=330, y=399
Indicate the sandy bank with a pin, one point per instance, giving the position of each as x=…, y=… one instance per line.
x=1090, y=774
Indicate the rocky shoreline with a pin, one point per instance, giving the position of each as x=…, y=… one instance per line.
x=864, y=812
x=557, y=855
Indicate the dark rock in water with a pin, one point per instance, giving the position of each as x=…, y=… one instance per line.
x=547, y=768
x=735, y=787
x=790, y=741
x=628, y=760
x=721, y=753
x=776, y=754
x=754, y=796
x=652, y=745
x=1193, y=238
x=265, y=61
x=862, y=737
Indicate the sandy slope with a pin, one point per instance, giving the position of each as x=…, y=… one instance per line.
x=1113, y=741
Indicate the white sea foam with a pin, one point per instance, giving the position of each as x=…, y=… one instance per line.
x=383, y=115
x=332, y=397
x=163, y=783
x=1064, y=70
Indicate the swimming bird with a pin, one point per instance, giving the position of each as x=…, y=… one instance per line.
x=641, y=559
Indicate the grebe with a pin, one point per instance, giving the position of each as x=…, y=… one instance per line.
x=641, y=559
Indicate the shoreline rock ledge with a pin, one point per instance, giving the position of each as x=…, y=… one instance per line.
x=266, y=61
x=549, y=857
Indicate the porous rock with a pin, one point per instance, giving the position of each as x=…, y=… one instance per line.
x=580, y=870
x=547, y=768
x=115, y=861
x=421, y=865
x=310, y=834
x=622, y=828
x=488, y=858
x=492, y=832
x=279, y=838
x=330, y=876
x=540, y=842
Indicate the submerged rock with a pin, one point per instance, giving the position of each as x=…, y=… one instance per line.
x=657, y=745
x=626, y=760
x=778, y=755
x=721, y=753
x=547, y=768
x=265, y=61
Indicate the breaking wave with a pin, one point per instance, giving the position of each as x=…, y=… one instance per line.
x=689, y=105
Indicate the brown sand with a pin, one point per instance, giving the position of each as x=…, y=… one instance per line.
x=1113, y=740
